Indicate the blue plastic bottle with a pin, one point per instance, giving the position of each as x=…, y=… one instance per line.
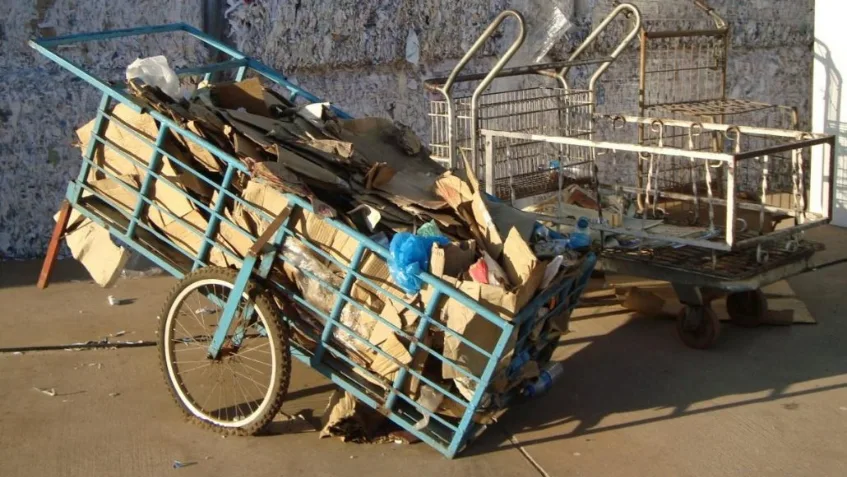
x=581, y=237
x=548, y=376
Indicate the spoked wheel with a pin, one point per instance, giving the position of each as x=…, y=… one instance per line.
x=747, y=308
x=698, y=327
x=242, y=390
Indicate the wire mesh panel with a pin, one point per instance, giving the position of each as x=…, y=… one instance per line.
x=522, y=168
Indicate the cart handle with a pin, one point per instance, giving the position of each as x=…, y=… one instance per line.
x=47, y=47
x=719, y=21
x=447, y=87
x=629, y=11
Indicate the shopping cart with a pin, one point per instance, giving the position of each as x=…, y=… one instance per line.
x=558, y=102
x=251, y=318
x=721, y=233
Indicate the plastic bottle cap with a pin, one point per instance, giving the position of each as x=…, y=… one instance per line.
x=582, y=222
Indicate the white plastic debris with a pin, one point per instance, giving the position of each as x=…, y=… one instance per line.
x=551, y=271
x=155, y=71
x=413, y=48
x=429, y=399
x=50, y=392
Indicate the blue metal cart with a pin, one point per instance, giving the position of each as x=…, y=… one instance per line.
x=231, y=372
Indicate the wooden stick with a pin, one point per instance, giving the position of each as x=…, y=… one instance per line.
x=53, y=248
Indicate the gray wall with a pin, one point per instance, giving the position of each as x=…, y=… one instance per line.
x=352, y=52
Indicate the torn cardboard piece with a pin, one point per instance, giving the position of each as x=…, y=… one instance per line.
x=248, y=94
x=91, y=244
x=349, y=420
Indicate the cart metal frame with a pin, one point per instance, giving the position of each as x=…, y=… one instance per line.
x=388, y=397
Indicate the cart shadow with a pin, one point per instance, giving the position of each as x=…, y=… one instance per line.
x=639, y=373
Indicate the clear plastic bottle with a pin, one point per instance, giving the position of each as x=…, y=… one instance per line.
x=581, y=236
x=548, y=376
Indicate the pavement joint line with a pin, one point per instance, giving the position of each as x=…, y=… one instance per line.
x=526, y=455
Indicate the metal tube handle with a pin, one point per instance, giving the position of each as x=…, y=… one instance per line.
x=501, y=63
x=719, y=21
x=446, y=88
x=628, y=10
x=480, y=42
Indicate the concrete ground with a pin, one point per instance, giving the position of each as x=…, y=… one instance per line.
x=634, y=401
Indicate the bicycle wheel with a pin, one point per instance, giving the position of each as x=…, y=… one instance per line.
x=242, y=390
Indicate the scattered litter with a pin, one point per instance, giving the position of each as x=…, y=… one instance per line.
x=17, y=353
x=179, y=465
x=577, y=454
x=114, y=394
x=205, y=311
x=119, y=333
x=113, y=301
x=50, y=392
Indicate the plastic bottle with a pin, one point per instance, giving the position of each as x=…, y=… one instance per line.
x=581, y=237
x=548, y=376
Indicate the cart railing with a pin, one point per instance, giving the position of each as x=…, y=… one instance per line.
x=702, y=201
x=236, y=61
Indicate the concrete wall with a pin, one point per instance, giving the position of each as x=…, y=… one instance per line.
x=830, y=102
x=368, y=56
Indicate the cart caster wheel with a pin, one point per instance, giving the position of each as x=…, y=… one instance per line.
x=748, y=308
x=698, y=327
x=240, y=391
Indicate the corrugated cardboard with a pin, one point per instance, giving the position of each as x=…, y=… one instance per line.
x=92, y=246
x=453, y=259
x=248, y=94
x=301, y=165
x=188, y=235
x=475, y=328
x=118, y=194
x=139, y=149
x=201, y=154
x=328, y=238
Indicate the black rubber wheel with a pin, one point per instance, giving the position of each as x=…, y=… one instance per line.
x=698, y=327
x=221, y=393
x=748, y=309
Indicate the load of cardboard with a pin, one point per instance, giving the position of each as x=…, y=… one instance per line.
x=371, y=174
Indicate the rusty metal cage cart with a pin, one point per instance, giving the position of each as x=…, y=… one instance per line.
x=683, y=61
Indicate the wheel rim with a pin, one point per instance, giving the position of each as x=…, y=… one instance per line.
x=235, y=389
x=698, y=327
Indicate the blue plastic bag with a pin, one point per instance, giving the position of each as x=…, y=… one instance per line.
x=409, y=256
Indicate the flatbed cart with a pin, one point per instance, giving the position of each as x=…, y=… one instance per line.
x=721, y=233
x=242, y=324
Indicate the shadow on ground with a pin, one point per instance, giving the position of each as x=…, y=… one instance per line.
x=609, y=376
